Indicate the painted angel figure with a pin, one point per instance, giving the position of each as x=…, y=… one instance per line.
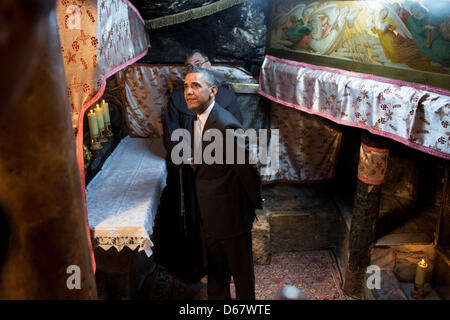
x=294, y=26
x=296, y=30
x=396, y=41
x=328, y=27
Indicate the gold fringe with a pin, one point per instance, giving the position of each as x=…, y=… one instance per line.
x=244, y=87
x=191, y=14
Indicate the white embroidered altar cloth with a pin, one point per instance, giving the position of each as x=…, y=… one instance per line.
x=123, y=197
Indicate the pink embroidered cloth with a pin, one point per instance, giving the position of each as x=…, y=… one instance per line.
x=415, y=115
x=308, y=146
x=98, y=38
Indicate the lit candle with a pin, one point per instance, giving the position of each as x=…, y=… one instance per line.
x=105, y=107
x=99, y=114
x=421, y=273
x=93, y=125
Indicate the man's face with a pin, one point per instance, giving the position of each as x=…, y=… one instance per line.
x=197, y=93
x=197, y=61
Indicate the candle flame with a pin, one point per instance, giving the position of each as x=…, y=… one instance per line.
x=422, y=263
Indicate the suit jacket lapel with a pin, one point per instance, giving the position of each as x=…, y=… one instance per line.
x=195, y=168
x=210, y=123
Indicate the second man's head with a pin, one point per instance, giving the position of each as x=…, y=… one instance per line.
x=196, y=59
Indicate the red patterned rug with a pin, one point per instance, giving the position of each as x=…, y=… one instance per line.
x=314, y=273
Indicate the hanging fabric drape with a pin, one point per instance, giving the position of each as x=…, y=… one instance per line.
x=413, y=114
x=98, y=38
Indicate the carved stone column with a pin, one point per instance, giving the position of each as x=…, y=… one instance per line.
x=371, y=171
x=40, y=188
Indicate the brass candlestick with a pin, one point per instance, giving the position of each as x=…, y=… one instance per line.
x=108, y=130
x=95, y=143
x=417, y=292
x=87, y=155
x=101, y=137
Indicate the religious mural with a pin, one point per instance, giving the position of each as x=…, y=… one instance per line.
x=394, y=33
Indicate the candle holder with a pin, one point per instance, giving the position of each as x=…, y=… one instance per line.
x=87, y=156
x=108, y=131
x=418, y=292
x=101, y=137
x=95, y=144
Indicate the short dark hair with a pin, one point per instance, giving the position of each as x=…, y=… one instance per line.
x=209, y=76
x=190, y=53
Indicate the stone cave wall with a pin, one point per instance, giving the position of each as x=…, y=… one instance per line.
x=234, y=36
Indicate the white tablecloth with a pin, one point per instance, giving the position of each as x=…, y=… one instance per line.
x=123, y=197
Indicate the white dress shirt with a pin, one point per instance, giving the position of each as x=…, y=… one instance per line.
x=200, y=124
x=204, y=116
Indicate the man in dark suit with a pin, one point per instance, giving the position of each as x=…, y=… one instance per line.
x=177, y=234
x=227, y=192
x=178, y=115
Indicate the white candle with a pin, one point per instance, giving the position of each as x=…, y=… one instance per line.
x=99, y=114
x=421, y=273
x=105, y=107
x=93, y=125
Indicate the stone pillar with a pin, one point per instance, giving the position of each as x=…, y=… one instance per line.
x=40, y=189
x=371, y=170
